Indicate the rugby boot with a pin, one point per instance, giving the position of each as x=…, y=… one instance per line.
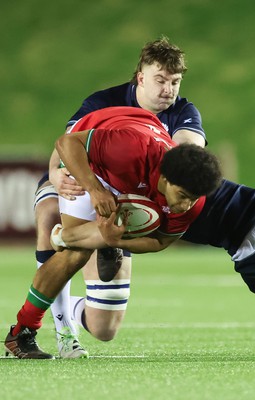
x=69, y=345
x=109, y=261
x=24, y=345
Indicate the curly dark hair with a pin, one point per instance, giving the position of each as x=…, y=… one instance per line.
x=169, y=56
x=193, y=168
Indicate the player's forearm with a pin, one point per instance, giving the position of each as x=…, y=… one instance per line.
x=85, y=236
x=73, y=154
x=88, y=236
x=53, y=164
x=112, y=235
x=140, y=245
x=80, y=238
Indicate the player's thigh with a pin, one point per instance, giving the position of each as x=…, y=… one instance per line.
x=47, y=213
x=68, y=221
x=46, y=208
x=46, y=216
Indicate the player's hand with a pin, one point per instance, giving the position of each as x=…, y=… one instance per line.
x=110, y=232
x=104, y=202
x=65, y=185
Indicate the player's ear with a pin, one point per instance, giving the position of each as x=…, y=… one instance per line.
x=162, y=182
x=139, y=77
x=164, y=178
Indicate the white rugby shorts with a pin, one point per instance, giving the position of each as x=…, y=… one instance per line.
x=81, y=207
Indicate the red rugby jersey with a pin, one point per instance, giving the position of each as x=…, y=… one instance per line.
x=125, y=148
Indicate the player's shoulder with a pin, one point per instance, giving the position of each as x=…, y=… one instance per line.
x=115, y=95
x=181, y=104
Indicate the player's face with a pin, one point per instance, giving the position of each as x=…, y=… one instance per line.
x=157, y=89
x=178, y=199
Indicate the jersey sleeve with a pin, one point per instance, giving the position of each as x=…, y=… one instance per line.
x=190, y=119
x=178, y=224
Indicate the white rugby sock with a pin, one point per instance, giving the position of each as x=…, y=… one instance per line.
x=77, y=305
x=60, y=309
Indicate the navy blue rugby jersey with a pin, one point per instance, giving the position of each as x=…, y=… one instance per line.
x=227, y=216
x=181, y=115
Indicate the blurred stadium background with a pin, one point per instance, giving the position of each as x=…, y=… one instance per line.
x=193, y=318
x=54, y=54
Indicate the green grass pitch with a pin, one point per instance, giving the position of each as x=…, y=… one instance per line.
x=188, y=334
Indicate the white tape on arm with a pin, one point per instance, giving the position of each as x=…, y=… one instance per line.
x=56, y=236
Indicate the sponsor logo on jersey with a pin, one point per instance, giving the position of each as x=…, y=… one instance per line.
x=187, y=121
x=166, y=209
x=142, y=185
x=165, y=126
x=168, y=145
x=154, y=129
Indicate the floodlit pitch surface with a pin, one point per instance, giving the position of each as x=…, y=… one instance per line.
x=189, y=333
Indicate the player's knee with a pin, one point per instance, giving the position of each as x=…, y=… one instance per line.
x=107, y=296
x=105, y=334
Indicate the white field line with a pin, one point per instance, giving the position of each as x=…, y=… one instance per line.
x=165, y=325
x=138, y=356
x=140, y=326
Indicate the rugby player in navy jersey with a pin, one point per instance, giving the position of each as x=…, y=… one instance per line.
x=155, y=87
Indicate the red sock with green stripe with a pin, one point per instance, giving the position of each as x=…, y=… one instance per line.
x=32, y=312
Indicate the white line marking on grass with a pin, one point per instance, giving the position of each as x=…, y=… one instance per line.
x=101, y=356
x=107, y=356
x=168, y=325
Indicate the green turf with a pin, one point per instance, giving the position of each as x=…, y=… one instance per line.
x=188, y=334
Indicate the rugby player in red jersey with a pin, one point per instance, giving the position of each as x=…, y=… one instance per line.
x=227, y=220
x=155, y=87
x=176, y=177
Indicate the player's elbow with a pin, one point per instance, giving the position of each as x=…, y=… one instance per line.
x=60, y=143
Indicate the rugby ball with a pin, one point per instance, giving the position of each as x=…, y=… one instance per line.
x=142, y=214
